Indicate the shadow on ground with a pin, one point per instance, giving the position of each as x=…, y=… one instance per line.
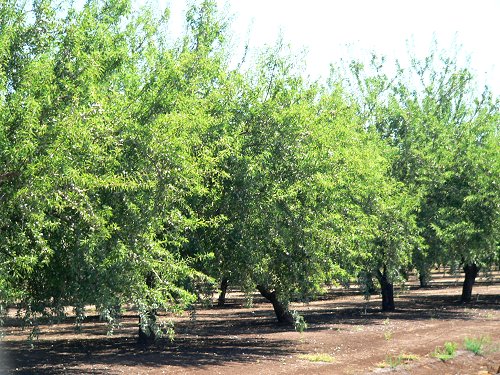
x=219, y=336
x=56, y=357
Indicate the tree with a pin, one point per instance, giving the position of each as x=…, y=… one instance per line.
x=391, y=204
x=460, y=140
x=100, y=125
x=431, y=114
x=467, y=220
x=297, y=178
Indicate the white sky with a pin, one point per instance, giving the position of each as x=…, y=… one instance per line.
x=326, y=28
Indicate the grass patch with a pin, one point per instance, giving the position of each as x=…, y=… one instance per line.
x=317, y=357
x=388, y=335
x=401, y=359
x=477, y=345
x=447, y=352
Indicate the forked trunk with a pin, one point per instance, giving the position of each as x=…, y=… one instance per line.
x=282, y=313
x=222, y=296
x=387, y=289
x=471, y=271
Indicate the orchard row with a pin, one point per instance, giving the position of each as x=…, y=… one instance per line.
x=137, y=169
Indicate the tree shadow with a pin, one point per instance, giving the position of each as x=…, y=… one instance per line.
x=220, y=336
x=408, y=307
x=63, y=356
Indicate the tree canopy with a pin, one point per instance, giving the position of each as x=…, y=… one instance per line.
x=138, y=170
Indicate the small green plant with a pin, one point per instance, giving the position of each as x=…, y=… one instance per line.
x=299, y=322
x=317, y=357
x=448, y=351
x=477, y=345
x=409, y=357
x=394, y=361
x=387, y=333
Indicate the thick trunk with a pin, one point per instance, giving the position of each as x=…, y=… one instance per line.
x=387, y=289
x=222, y=296
x=471, y=271
x=146, y=333
x=424, y=276
x=282, y=313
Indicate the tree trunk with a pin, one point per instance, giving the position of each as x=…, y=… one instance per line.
x=282, y=313
x=223, y=289
x=147, y=322
x=370, y=286
x=146, y=333
x=424, y=276
x=387, y=289
x=471, y=271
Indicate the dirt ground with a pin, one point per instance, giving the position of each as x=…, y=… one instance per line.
x=356, y=336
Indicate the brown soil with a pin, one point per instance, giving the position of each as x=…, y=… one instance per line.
x=239, y=340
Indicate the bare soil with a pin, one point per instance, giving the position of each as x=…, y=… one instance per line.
x=239, y=340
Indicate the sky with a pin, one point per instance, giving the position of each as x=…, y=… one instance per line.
x=329, y=30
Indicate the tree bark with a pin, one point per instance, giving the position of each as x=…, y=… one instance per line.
x=146, y=323
x=387, y=289
x=424, y=276
x=222, y=296
x=146, y=336
x=282, y=313
x=471, y=271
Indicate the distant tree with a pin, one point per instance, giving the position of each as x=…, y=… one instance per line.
x=456, y=128
x=445, y=136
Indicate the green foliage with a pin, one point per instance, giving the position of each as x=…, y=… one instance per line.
x=477, y=345
x=299, y=322
x=136, y=169
x=395, y=361
x=447, y=352
x=317, y=357
x=99, y=157
x=444, y=143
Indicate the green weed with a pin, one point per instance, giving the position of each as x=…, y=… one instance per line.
x=317, y=357
x=477, y=345
x=299, y=322
x=448, y=351
x=394, y=361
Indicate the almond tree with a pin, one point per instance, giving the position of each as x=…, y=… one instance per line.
x=445, y=136
x=100, y=124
